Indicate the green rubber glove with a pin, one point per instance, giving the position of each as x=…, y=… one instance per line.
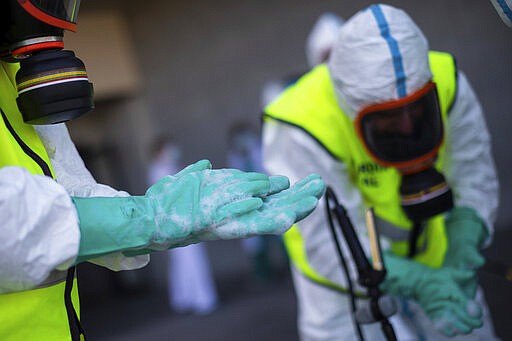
x=197, y=204
x=466, y=233
x=437, y=291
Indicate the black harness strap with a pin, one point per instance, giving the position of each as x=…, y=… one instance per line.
x=75, y=326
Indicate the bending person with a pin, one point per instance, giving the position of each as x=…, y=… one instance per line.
x=390, y=125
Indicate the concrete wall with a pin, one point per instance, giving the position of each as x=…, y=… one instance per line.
x=203, y=64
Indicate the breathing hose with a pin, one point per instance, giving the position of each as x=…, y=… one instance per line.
x=380, y=307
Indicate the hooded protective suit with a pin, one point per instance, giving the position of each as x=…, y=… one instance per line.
x=380, y=55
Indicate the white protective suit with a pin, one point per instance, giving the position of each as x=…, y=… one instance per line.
x=38, y=214
x=362, y=71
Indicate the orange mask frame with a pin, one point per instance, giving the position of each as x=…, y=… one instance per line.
x=416, y=164
x=45, y=17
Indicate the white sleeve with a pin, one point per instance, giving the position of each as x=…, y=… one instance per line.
x=292, y=152
x=72, y=174
x=39, y=229
x=68, y=166
x=471, y=169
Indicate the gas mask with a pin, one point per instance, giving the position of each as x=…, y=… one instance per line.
x=406, y=134
x=52, y=83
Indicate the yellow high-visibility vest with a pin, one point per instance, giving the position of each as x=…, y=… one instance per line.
x=38, y=314
x=311, y=105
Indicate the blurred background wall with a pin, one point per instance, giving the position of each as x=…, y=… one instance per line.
x=191, y=69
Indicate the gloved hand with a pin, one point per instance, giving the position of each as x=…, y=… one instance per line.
x=466, y=233
x=197, y=204
x=437, y=291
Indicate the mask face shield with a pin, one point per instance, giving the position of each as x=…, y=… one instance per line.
x=405, y=134
x=58, y=13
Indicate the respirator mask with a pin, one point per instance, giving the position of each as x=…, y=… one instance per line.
x=406, y=134
x=52, y=83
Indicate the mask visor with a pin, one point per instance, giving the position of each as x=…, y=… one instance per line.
x=405, y=132
x=58, y=13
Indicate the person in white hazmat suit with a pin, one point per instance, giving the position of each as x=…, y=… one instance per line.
x=55, y=215
x=381, y=114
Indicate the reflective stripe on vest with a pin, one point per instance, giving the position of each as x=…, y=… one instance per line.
x=38, y=314
x=311, y=105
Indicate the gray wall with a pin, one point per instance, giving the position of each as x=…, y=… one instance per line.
x=204, y=63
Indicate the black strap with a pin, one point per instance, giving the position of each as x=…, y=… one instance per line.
x=26, y=149
x=413, y=238
x=74, y=322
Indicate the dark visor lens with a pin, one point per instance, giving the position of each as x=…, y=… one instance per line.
x=405, y=133
x=62, y=9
